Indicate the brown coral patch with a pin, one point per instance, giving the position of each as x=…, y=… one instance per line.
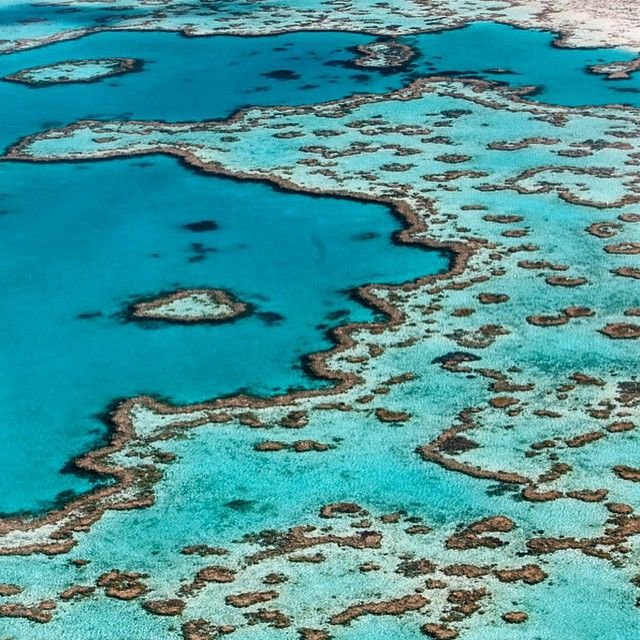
x=547, y=321
x=215, y=574
x=628, y=272
x=396, y=607
x=385, y=415
x=340, y=508
x=584, y=438
x=620, y=426
x=41, y=612
x=624, y=248
x=313, y=634
x=438, y=631
x=201, y=629
x=248, y=599
x=578, y=312
x=492, y=298
x=515, y=617
x=77, y=591
x=604, y=229
x=122, y=585
x=627, y=473
x=10, y=589
x=529, y=574
x=621, y=331
x=171, y=607
x=562, y=281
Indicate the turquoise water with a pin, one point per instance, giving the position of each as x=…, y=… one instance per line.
x=282, y=253
x=81, y=241
x=522, y=57
x=187, y=78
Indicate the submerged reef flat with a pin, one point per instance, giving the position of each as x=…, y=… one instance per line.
x=508, y=387
x=618, y=70
x=581, y=22
x=384, y=564
x=191, y=305
x=74, y=71
x=384, y=54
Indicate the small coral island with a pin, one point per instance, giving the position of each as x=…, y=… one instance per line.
x=190, y=306
x=384, y=54
x=75, y=71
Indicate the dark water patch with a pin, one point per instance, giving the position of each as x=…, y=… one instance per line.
x=270, y=318
x=199, y=252
x=364, y=237
x=503, y=489
x=282, y=74
x=241, y=505
x=338, y=314
x=201, y=226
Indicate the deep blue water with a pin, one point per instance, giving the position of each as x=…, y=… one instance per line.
x=85, y=238
x=82, y=239
x=186, y=78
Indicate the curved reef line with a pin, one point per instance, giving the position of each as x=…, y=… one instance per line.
x=199, y=306
x=575, y=23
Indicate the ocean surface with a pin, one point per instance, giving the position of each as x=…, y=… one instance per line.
x=201, y=78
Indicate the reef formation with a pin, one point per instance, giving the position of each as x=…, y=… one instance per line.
x=580, y=22
x=484, y=430
x=74, y=71
x=189, y=306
